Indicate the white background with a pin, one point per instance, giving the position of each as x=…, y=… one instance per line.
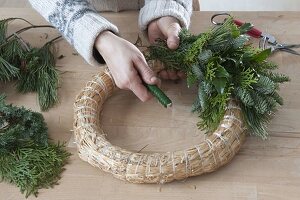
x=250, y=5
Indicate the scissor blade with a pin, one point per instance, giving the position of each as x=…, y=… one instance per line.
x=290, y=51
x=291, y=46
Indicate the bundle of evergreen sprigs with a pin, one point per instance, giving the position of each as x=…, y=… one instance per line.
x=27, y=159
x=32, y=68
x=223, y=65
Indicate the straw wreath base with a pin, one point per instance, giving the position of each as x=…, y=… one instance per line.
x=215, y=151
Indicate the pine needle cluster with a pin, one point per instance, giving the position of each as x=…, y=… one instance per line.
x=32, y=68
x=223, y=65
x=26, y=158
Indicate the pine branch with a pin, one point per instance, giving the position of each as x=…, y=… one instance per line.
x=34, y=68
x=7, y=71
x=26, y=29
x=40, y=76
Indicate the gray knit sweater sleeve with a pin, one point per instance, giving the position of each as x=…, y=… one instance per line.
x=153, y=9
x=78, y=22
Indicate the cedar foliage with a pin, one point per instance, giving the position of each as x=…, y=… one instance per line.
x=27, y=159
x=224, y=65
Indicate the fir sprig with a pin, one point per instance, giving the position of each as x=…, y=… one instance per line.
x=224, y=66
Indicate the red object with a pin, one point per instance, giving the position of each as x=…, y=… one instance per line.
x=253, y=32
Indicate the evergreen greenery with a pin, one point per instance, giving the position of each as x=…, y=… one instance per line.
x=224, y=65
x=32, y=68
x=26, y=158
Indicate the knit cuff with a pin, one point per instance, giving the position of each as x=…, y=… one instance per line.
x=157, y=8
x=86, y=30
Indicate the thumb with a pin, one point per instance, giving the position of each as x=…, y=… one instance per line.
x=146, y=73
x=172, y=35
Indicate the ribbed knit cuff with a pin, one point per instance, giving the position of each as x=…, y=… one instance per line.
x=157, y=8
x=86, y=31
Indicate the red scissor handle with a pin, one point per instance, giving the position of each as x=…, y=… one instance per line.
x=254, y=32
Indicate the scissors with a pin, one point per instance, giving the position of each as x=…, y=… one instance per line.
x=267, y=41
x=264, y=44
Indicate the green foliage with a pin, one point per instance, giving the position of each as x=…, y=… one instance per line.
x=245, y=28
x=40, y=76
x=204, y=57
x=32, y=168
x=224, y=66
x=210, y=71
x=196, y=48
x=7, y=71
x=244, y=96
x=32, y=68
x=264, y=85
x=247, y=78
x=276, y=77
x=261, y=56
x=26, y=158
x=20, y=127
x=213, y=111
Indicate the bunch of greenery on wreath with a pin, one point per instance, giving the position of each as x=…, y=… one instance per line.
x=224, y=65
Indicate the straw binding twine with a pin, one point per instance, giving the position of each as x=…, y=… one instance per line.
x=216, y=150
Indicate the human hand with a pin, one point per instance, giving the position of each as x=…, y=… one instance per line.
x=166, y=28
x=126, y=64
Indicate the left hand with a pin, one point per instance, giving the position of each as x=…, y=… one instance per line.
x=166, y=28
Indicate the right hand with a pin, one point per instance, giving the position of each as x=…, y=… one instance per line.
x=127, y=64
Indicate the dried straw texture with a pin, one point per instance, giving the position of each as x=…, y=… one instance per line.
x=215, y=151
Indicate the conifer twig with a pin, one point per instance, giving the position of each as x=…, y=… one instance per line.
x=28, y=28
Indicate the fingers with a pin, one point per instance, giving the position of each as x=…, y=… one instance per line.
x=181, y=74
x=137, y=87
x=128, y=68
x=170, y=28
x=171, y=74
x=163, y=74
x=165, y=28
x=145, y=71
x=147, y=75
x=133, y=82
x=154, y=32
